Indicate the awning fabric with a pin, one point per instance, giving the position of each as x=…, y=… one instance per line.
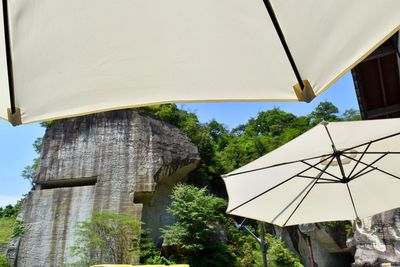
x=77, y=57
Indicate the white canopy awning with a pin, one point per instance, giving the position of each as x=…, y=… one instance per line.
x=77, y=57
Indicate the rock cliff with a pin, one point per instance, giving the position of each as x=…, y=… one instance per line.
x=370, y=242
x=121, y=161
x=328, y=244
x=376, y=240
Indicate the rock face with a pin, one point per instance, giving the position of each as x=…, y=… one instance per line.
x=328, y=245
x=3, y=248
x=377, y=240
x=120, y=161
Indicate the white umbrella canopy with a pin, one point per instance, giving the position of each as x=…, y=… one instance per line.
x=335, y=171
x=69, y=58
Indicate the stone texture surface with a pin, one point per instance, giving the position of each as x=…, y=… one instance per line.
x=50, y=221
x=329, y=248
x=3, y=248
x=377, y=240
x=121, y=161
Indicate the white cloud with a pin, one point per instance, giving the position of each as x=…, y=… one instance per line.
x=7, y=200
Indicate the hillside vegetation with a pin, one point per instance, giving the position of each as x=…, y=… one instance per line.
x=8, y=220
x=222, y=150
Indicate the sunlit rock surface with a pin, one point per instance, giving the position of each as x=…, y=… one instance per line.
x=121, y=161
x=377, y=240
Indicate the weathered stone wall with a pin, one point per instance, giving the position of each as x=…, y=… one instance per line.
x=376, y=240
x=3, y=248
x=50, y=220
x=120, y=161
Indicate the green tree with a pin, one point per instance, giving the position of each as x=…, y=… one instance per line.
x=28, y=173
x=351, y=115
x=196, y=236
x=108, y=237
x=325, y=111
x=196, y=211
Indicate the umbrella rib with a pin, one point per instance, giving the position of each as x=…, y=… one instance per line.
x=309, y=190
x=358, y=161
x=323, y=179
x=291, y=202
x=369, y=165
x=322, y=170
x=373, y=141
x=283, y=42
x=352, y=200
x=8, y=56
x=374, y=168
x=362, y=174
x=372, y=152
x=325, y=124
x=280, y=164
x=281, y=183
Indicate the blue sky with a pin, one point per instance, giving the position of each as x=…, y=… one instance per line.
x=16, y=149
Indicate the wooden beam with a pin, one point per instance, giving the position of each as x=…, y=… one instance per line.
x=374, y=113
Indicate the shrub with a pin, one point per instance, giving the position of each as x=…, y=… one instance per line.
x=108, y=238
x=279, y=255
x=18, y=229
x=203, y=234
x=4, y=262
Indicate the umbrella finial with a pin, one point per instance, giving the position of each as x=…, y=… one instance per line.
x=324, y=122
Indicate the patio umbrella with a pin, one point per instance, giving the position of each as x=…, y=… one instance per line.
x=63, y=58
x=335, y=171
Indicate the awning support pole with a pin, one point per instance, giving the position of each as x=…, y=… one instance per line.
x=283, y=42
x=263, y=244
x=260, y=241
x=14, y=113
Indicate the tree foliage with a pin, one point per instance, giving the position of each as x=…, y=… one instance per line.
x=108, y=238
x=4, y=262
x=11, y=211
x=28, y=173
x=196, y=212
x=223, y=150
x=280, y=256
x=201, y=227
x=202, y=224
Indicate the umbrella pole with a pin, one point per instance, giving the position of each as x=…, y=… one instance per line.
x=260, y=240
x=263, y=244
x=311, y=251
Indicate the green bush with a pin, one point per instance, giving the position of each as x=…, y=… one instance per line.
x=279, y=255
x=196, y=236
x=108, y=237
x=4, y=262
x=18, y=228
x=6, y=229
x=149, y=254
x=10, y=211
